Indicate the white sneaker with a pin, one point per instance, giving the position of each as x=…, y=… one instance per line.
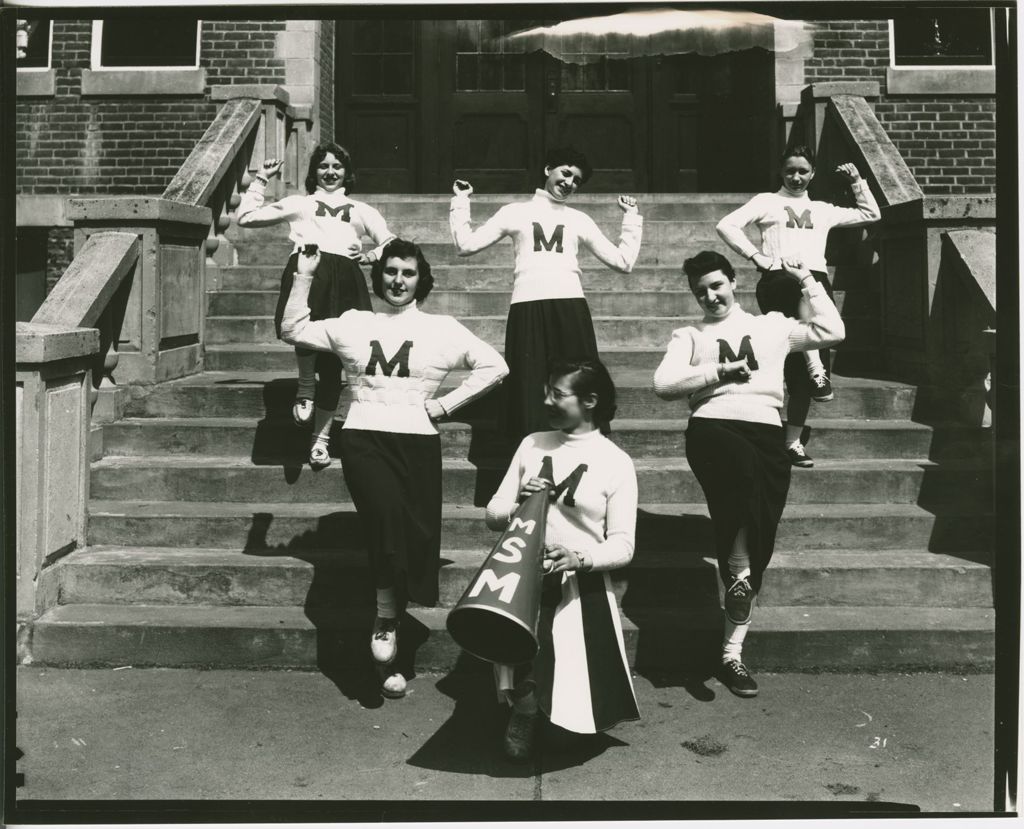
x=393, y=687
x=384, y=642
x=302, y=410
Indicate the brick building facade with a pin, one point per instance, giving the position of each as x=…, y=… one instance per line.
x=86, y=130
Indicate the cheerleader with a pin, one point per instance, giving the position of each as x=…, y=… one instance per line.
x=731, y=366
x=549, y=315
x=330, y=219
x=390, y=446
x=795, y=227
x=580, y=678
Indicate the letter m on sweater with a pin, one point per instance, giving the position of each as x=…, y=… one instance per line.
x=324, y=209
x=801, y=221
x=540, y=240
x=377, y=358
x=726, y=354
x=568, y=486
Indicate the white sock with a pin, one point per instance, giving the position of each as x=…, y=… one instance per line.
x=814, y=364
x=306, y=361
x=387, y=603
x=793, y=435
x=732, y=642
x=322, y=420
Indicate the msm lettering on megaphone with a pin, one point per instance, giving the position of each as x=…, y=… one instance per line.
x=496, y=618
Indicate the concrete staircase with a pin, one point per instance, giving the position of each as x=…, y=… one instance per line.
x=211, y=543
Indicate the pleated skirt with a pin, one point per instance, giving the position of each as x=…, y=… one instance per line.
x=338, y=286
x=581, y=670
x=744, y=472
x=537, y=333
x=395, y=483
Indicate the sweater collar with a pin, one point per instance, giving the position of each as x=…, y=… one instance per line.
x=580, y=438
x=540, y=194
x=782, y=191
x=337, y=195
x=390, y=310
x=734, y=311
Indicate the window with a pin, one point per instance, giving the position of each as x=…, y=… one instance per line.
x=33, y=44
x=941, y=37
x=601, y=65
x=941, y=51
x=485, y=61
x=382, y=57
x=132, y=43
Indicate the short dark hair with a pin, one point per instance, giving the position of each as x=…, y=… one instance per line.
x=798, y=151
x=571, y=156
x=403, y=249
x=589, y=376
x=705, y=262
x=319, y=154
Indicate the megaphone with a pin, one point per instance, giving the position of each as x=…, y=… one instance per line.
x=496, y=618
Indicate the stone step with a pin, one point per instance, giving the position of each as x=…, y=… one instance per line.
x=467, y=304
x=267, y=440
x=279, y=358
x=660, y=479
x=784, y=638
x=163, y=576
x=683, y=527
x=258, y=394
x=468, y=274
x=611, y=331
x=442, y=252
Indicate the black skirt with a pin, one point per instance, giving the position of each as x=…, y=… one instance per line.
x=744, y=472
x=538, y=332
x=338, y=286
x=781, y=291
x=395, y=483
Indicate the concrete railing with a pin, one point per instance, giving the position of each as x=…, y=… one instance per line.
x=132, y=303
x=931, y=322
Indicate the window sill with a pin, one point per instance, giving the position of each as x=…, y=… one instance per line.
x=938, y=80
x=36, y=83
x=143, y=81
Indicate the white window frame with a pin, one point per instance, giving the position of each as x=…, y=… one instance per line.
x=49, y=55
x=959, y=67
x=97, y=53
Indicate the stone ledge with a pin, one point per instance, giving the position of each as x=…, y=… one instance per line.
x=938, y=80
x=262, y=92
x=36, y=83
x=960, y=207
x=977, y=252
x=143, y=81
x=819, y=91
x=131, y=209
x=33, y=210
x=44, y=343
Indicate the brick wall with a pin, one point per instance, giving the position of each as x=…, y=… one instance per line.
x=105, y=145
x=326, y=60
x=948, y=141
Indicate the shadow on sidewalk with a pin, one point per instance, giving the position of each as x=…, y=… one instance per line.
x=470, y=741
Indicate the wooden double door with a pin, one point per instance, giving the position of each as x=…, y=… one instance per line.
x=421, y=102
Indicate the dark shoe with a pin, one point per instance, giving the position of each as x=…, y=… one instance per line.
x=737, y=678
x=739, y=601
x=798, y=456
x=822, y=388
x=519, y=735
x=384, y=642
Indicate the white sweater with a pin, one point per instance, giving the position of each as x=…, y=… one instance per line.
x=690, y=365
x=395, y=360
x=597, y=517
x=546, y=235
x=795, y=226
x=333, y=221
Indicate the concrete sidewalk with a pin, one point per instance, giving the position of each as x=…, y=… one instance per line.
x=129, y=734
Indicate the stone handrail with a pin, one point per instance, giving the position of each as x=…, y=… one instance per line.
x=133, y=299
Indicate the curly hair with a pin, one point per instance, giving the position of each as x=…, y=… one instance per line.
x=705, y=262
x=571, y=156
x=403, y=249
x=319, y=153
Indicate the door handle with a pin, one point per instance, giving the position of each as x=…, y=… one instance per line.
x=551, y=94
